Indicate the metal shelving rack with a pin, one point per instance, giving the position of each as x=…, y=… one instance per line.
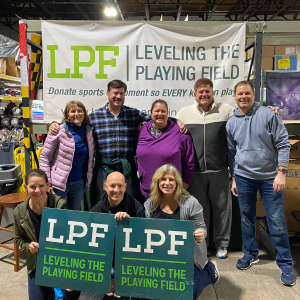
x=10, y=79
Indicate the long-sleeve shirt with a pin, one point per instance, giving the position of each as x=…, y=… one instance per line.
x=116, y=137
x=208, y=133
x=257, y=143
x=190, y=209
x=171, y=147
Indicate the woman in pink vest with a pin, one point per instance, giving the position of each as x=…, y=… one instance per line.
x=67, y=158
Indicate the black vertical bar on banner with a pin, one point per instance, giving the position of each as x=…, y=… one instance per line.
x=257, y=70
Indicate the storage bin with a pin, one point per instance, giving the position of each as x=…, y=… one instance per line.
x=7, y=153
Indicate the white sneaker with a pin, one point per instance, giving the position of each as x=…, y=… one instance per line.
x=216, y=276
x=221, y=252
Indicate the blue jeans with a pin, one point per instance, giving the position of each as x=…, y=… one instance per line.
x=202, y=278
x=273, y=204
x=37, y=292
x=73, y=193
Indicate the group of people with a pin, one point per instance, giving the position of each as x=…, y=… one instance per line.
x=176, y=168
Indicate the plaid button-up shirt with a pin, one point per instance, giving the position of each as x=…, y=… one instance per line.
x=116, y=137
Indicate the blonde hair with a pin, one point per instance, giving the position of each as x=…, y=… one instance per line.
x=156, y=194
x=86, y=120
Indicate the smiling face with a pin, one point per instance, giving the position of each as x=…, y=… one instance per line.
x=116, y=98
x=167, y=184
x=204, y=96
x=159, y=115
x=115, y=187
x=76, y=115
x=36, y=189
x=244, y=97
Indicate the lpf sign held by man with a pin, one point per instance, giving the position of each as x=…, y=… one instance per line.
x=75, y=250
x=154, y=259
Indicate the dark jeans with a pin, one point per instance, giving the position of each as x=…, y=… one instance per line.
x=273, y=204
x=73, y=193
x=37, y=292
x=202, y=278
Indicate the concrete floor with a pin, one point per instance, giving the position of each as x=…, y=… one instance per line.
x=261, y=281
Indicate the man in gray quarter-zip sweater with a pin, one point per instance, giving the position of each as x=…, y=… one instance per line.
x=206, y=121
x=258, y=158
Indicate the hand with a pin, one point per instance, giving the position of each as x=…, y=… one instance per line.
x=121, y=215
x=279, y=182
x=141, y=125
x=274, y=109
x=233, y=187
x=185, y=185
x=112, y=289
x=199, y=235
x=51, y=191
x=53, y=129
x=34, y=247
x=182, y=126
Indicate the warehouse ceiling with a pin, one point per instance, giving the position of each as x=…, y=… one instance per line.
x=152, y=10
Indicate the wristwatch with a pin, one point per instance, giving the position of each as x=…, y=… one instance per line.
x=284, y=171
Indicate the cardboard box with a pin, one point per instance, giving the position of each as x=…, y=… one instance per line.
x=18, y=72
x=295, y=149
x=286, y=62
x=249, y=54
x=291, y=197
x=285, y=50
x=267, y=63
x=11, y=67
x=268, y=51
x=2, y=66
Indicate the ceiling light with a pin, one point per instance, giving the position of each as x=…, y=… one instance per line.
x=110, y=11
x=113, y=11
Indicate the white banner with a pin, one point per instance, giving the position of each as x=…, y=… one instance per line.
x=156, y=62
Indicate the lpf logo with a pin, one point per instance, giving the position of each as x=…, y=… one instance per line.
x=78, y=51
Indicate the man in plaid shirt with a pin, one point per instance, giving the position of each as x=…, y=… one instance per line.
x=116, y=133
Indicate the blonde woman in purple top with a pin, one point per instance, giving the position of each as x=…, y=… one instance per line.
x=160, y=142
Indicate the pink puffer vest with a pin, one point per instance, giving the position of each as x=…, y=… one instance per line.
x=57, y=156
